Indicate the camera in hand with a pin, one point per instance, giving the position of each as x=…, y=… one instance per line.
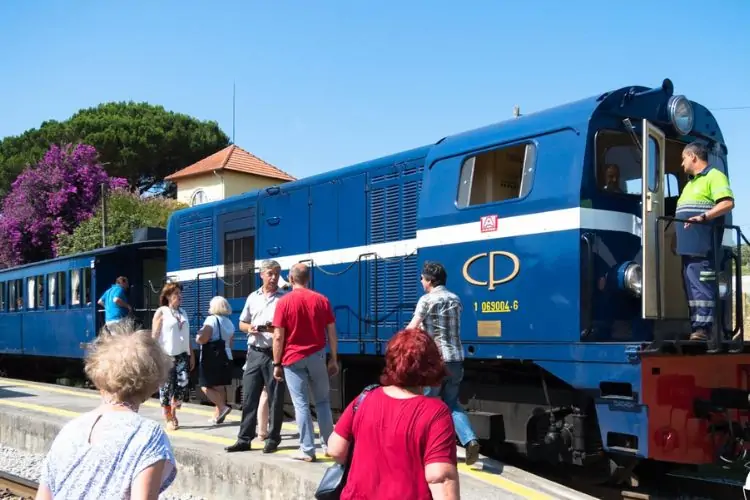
x=267, y=328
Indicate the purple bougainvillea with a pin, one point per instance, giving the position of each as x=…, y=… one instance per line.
x=50, y=199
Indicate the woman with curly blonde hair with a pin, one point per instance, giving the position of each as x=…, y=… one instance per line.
x=113, y=452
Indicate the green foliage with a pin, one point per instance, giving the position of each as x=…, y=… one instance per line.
x=745, y=260
x=138, y=141
x=125, y=213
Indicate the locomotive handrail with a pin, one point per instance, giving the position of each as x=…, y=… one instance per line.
x=718, y=331
x=589, y=318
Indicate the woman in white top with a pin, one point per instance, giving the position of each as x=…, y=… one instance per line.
x=171, y=328
x=215, y=364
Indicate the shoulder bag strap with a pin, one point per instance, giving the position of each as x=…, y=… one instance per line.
x=360, y=398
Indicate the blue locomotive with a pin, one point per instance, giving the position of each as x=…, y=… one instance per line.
x=554, y=228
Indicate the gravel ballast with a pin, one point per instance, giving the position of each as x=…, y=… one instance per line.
x=28, y=466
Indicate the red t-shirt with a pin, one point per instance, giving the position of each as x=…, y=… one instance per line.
x=304, y=315
x=394, y=439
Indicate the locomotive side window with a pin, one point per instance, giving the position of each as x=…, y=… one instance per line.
x=239, y=264
x=498, y=175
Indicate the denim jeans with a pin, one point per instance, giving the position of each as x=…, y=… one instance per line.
x=310, y=373
x=448, y=391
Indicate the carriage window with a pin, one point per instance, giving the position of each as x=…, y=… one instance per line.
x=15, y=295
x=239, y=264
x=56, y=289
x=3, y=288
x=86, y=292
x=499, y=175
x=32, y=291
x=75, y=287
x=52, y=289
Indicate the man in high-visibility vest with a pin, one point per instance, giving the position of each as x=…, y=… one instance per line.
x=706, y=197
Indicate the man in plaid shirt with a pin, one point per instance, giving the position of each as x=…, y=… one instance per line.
x=438, y=313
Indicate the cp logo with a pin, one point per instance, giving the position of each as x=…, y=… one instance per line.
x=492, y=280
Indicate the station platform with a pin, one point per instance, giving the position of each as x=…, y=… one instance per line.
x=31, y=415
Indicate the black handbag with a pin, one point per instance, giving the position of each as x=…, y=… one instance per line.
x=217, y=368
x=334, y=479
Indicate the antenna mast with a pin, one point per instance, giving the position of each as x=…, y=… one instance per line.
x=234, y=107
x=516, y=111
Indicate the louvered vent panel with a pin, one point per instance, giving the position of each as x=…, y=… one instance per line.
x=393, y=217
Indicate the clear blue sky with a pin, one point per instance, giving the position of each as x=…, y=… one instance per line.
x=325, y=84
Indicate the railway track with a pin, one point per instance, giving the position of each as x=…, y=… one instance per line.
x=12, y=486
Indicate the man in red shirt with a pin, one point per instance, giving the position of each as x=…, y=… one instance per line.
x=302, y=320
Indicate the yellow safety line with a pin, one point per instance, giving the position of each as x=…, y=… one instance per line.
x=506, y=484
x=88, y=393
x=40, y=408
x=488, y=477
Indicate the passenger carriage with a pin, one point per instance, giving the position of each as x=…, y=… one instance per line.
x=49, y=311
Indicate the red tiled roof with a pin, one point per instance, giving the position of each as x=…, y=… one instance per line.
x=232, y=158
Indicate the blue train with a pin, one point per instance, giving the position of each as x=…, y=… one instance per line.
x=48, y=309
x=555, y=229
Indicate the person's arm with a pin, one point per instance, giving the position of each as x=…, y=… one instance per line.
x=43, y=493
x=419, y=313
x=338, y=442
x=205, y=333
x=155, y=470
x=279, y=334
x=246, y=316
x=721, y=194
x=156, y=324
x=443, y=481
x=440, y=470
x=119, y=299
x=147, y=483
x=333, y=345
x=188, y=346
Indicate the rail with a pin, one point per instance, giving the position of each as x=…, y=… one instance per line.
x=18, y=486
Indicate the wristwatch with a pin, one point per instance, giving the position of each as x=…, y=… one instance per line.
x=704, y=216
x=277, y=365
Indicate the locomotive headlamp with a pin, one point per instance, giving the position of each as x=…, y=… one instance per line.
x=630, y=278
x=680, y=113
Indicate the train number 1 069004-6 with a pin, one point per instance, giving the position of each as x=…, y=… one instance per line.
x=496, y=306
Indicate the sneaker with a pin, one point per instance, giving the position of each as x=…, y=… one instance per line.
x=220, y=419
x=472, y=452
x=699, y=335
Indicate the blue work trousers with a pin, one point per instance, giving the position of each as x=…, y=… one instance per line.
x=700, y=279
x=448, y=391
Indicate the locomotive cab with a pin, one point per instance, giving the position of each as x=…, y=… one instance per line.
x=638, y=169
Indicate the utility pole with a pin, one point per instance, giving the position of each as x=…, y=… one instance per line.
x=104, y=213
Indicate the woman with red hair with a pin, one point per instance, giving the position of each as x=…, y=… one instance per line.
x=405, y=443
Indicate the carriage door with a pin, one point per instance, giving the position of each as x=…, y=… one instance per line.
x=652, y=209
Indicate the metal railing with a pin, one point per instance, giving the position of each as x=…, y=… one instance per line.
x=721, y=337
